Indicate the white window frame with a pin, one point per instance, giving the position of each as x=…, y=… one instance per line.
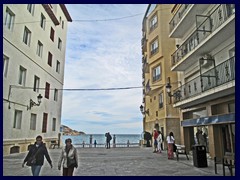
x=36, y=84
x=43, y=22
x=17, y=119
x=156, y=73
x=33, y=121
x=27, y=36
x=39, y=49
x=30, y=8
x=5, y=65
x=153, y=22
x=59, y=44
x=22, y=76
x=9, y=19
x=154, y=47
x=58, y=67
x=55, y=98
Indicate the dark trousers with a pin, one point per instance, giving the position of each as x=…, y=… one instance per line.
x=108, y=144
x=68, y=171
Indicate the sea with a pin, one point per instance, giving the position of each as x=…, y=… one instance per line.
x=101, y=139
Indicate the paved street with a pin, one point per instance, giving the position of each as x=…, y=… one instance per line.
x=115, y=162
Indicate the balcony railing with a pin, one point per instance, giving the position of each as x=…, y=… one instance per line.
x=214, y=77
x=178, y=16
x=207, y=25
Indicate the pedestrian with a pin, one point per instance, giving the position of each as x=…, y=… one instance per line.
x=170, y=141
x=201, y=139
x=95, y=143
x=68, y=158
x=159, y=139
x=83, y=143
x=108, y=139
x=35, y=156
x=155, y=136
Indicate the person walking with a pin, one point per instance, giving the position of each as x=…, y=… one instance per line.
x=159, y=140
x=68, y=158
x=108, y=139
x=170, y=141
x=155, y=136
x=35, y=156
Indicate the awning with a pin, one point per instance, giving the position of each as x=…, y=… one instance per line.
x=226, y=118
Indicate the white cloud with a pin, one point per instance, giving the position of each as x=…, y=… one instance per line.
x=103, y=54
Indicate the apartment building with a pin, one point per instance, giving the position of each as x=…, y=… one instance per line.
x=157, y=105
x=34, y=45
x=205, y=62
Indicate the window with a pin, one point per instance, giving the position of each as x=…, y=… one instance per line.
x=44, y=124
x=55, y=94
x=22, y=76
x=39, y=49
x=59, y=43
x=17, y=119
x=154, y=47
x=9, y=19
x=5, y=65
x=161, y=100
x=52, y=34
x=27, y=36
x=62, y=24
x=47, y=90
x=153, y=23
x=33, y=121
x=49, y=59
x=43, y=21
x=36, y=84
x=54, y=121
x=30, y=8
x=156, y=74
x=58, y=67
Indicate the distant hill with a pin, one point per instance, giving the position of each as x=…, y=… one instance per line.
x=70, y=132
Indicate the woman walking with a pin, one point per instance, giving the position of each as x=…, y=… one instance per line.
x=170, y=141
x=68, y=158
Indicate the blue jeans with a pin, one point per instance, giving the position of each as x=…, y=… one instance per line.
x=36, y=170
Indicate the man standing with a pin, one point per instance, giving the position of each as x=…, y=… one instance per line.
x=108, y=139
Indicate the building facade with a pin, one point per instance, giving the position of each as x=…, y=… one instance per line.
x=34, y=45
x=205, y=62
x=158, y=111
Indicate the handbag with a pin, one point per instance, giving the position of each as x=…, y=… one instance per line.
x=71, y=162
x=31, y=161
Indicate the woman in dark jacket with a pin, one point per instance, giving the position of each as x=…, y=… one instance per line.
x=38, y=150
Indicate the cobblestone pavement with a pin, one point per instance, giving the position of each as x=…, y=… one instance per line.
x=135, y=161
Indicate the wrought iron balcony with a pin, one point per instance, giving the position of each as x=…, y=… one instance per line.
x=206, y=26
x=219, y=75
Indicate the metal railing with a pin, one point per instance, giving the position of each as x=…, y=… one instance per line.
x=207, y=25
x=104, y=145
x=212, y=78
x=178, y=16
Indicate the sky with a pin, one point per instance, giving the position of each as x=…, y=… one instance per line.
x=104, y=53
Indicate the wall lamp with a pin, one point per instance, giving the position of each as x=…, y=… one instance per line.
x=176, y=94
x=32, y=103
x=144, y=112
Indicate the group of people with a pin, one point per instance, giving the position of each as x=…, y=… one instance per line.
x=158, y=143
x=68, y=159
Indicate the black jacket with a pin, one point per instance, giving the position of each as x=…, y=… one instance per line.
x=40, y=152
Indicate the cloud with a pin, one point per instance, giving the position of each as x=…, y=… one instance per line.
x=103, y=54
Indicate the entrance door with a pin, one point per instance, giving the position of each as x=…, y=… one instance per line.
x=228, y=137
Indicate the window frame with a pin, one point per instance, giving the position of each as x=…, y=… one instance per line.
x=155, y=76
x=58, y=67
x=36, y=83
x=59, y=44
x=9, y=19
x=17, y=123
x=52, y=32
x=39, y=48
x=26, y=36
x=161, y=100
x=54, y=124
x=33, y=121
x=43, y=21
x=47, y=90
x=30, y=8
x=55, y=98
x=154, y=20
x=50, y=57
x=5, y=65
x=22, y=76
x=44, y=124
x=154, y=46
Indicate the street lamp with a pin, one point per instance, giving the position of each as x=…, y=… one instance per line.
x=176, y=94
x=144, y=112
x=32, y=103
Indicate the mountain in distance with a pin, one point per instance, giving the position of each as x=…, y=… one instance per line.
x=70, y=132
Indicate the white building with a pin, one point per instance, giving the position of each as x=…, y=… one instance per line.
x=34, y=44
x=205, y=62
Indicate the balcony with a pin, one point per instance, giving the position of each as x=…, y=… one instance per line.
x=214, y=83
x=211, y=31
x=144, y=43
x=185, y=18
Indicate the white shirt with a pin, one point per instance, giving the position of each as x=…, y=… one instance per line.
x=170, y=140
